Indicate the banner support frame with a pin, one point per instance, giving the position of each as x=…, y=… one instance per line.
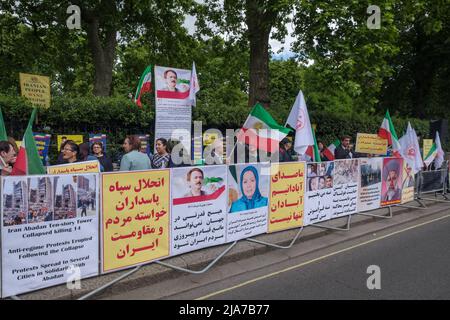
x=389, y=216
x=347, y=228
x=276, y=245
x=204, y=269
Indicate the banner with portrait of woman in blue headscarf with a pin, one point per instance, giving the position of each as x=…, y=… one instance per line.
x=248, y=189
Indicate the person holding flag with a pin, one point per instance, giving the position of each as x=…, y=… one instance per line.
x=305, y=144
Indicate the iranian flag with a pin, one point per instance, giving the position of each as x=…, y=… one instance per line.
x=329, y=151
x=194, y=86
x=28, y=160
x=435, y=154
x=387, y=131
x=262, y=131
x=145, y=85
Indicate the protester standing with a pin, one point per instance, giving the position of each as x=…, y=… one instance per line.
x=162, y=156
x=97, y=151
x=133, y=159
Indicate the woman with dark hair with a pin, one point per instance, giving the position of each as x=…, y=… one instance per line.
x=133, y=159
x=85, y=156
x=284, y=151
x=97, y=151
x=71, y=152
x=162, y=156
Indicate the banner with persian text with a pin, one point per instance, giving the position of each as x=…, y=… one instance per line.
x=75, y=168
x=199, y=208
x=49, y=231
x=319, y=192
x=369, y=191
x=345, y=187
x=135, y=218
x=287, y=192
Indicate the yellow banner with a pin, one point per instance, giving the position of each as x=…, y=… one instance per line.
x=427, y=144
x=135, y=220
x=77, y=138
x=286, y=199
x=74, y=168
x=36, y=89
x=370, y=143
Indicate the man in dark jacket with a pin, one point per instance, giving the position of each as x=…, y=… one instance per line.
x=343, y=151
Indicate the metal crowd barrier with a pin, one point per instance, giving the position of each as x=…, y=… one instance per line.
x=434, y=181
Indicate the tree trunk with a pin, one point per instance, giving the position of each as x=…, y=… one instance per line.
x=103, y=52
x=259, y=25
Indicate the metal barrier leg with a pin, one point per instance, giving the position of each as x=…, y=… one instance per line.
x=276, y=245
x=200, y=271
x=422, y=205
x=347, y=227
x=389, y=216
x=106, y=286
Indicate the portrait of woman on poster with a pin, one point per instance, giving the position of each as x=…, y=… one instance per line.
x=251, y=196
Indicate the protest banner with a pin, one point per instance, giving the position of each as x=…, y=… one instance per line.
x=287, y=193
x=427, y=144
x=407, y=183
x=75, y=168
x=391, y=182
x=135, y=218
x=319, y=192
x=173, y=116
x=60, y=138
x=36, y=89
x=345, y=187
x=97, y=137
x=42, y=145
x=49, y=231
x=371, y=143
x=199, y=208
x=369, y=195
x=248, y=190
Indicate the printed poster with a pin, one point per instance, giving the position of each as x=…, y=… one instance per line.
x=369, y=196
x=345, y=187
x=173, y=118
x=319, y=192
x=408, y=183
x=287, y=193
x=248, y=191
x=36, y=89
x=391, y=183
x=49, y=231
x=199, y=208
x=42, y=144
x=135, y=218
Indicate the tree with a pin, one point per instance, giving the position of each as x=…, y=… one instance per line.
x=250, y=21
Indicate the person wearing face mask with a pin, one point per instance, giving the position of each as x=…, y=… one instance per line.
x=133, y=159
x=8, y=157
x=251, y=196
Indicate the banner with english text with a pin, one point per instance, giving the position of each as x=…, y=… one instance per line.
x=49, y=231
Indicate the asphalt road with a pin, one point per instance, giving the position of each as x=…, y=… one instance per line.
x=414, y=264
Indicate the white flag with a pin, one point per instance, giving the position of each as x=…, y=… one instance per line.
x=440, y=153
x=410, y=149
x=299, y=120
x=194, y=86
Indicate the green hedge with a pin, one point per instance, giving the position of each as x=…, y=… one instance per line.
x=118, y=116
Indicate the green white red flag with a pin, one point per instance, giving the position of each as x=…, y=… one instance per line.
x=329, y=151
x=262, y=131
x=28, y=160
x=145, y=85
